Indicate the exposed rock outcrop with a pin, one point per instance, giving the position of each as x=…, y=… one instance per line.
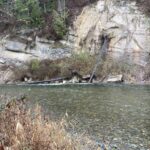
x=115, y=79
x=24, y=48
x=6, y=76
x=126, y=27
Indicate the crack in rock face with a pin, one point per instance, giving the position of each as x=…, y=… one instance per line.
x=126, y=27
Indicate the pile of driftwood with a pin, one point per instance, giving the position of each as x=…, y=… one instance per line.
x=74, y=78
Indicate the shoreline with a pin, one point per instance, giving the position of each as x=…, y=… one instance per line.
x=79, y=84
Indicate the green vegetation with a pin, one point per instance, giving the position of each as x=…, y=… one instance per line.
x=59, y=23
x=1, y=2
x=35, y=64
x=37, y=13
x=29, y=11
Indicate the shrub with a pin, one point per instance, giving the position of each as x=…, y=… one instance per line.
x=1, y=3
x=29, y=11
x=82, y=63
x=34, y=65
x=48, y=5
x=59, y=23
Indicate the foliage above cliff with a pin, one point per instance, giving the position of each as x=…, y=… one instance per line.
x=50, y=15
x=35, y=13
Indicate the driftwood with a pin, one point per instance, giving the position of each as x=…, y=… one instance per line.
x=88, y=77
x=74, y=75
x=60, y=79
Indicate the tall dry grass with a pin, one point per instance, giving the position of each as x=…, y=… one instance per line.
x=23, y=129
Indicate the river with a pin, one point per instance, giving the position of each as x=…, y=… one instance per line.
x=119, y=114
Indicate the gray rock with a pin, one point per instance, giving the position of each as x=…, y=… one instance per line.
x=6, y=76
x=15, y=46
x=115, y=79
x=26, y=31
x=43, y=40
x=2, y=61
x=75, y=79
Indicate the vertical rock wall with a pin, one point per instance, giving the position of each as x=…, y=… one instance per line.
x=127, y=28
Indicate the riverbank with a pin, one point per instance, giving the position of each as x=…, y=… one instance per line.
x=96, y=55
x=79, y=68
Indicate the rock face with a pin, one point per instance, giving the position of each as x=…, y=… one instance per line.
x=6, y=76
x=46, y=49
x=125, y=26
x=24, y=48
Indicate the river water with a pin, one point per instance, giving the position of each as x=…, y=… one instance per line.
x=119, y=114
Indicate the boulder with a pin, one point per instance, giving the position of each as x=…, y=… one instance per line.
x=15, y=46
x=26, y=32
x=75, y=79
x=6, y=76
x=115, y=79
x=2, y=61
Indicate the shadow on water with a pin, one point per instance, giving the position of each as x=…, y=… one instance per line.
x=117, y=113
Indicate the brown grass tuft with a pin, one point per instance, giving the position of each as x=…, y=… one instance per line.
x=21, y=129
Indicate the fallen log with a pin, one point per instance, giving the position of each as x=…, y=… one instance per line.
x=60, y=79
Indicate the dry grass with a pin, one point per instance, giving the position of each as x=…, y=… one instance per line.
x=47, y=69
x=110, y=66
x=83, y=64
x=21, y=129
x=147, y=72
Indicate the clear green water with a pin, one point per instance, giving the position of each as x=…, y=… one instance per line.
x=119, y=114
